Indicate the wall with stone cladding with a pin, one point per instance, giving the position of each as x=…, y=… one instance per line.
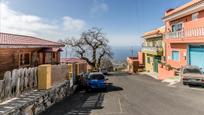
x=33, y=103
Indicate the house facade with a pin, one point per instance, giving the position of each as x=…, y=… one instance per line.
x=184, y=35
x=18, y=51
x=136, y=63
x=81, y=65
x=153, y=49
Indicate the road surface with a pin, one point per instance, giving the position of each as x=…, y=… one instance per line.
x=133, y=95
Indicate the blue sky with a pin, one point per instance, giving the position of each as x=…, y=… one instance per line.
x=123, y=21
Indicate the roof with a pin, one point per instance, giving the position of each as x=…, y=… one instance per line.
x=189, y=4
x=132, y=58
x=155, y=33
x=72, y=60
x=13, y=40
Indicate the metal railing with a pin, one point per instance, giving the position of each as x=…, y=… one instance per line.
x=152, y=49
x=196, y=32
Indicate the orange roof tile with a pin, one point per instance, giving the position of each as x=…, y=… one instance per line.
x=21, y=40
x=72, y=60
x=156, y=31
x=182, y=7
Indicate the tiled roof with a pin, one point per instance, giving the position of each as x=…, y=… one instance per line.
x=72, y=60
x=157, y=31
x=22, y=40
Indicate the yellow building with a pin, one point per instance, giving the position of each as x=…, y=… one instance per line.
x=153, y=49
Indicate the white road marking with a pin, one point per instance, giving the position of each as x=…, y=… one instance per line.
x=171, y=85
x=121, y=110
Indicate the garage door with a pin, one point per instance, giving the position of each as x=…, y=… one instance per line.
x=196, y=56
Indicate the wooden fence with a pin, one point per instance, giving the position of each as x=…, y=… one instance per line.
x=17, y=81
x=23, y=80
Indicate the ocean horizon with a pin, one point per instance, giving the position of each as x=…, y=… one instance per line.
x=119, y=53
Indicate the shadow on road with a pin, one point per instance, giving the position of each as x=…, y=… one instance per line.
x=196, y=86
x=118, y=74
x=81, y=103
x=112, y=88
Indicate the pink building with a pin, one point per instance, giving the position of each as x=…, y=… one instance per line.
x=135, y=63
x=184, y=35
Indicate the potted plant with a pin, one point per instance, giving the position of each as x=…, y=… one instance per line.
x=168, y=67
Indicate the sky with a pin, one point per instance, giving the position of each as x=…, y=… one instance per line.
x=122, y=21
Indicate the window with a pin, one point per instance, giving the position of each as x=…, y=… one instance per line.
x=175, y=55
x=97, y=76
x=192, y=70
x=163, y=58
x=177, y=27
x=148, y=60
x=49, y=58
x=21, y=59
x=24, y=59
x=195, y=16
x=53, y=55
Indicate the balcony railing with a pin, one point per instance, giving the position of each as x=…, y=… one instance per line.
x=197, y=32
x=152, y=50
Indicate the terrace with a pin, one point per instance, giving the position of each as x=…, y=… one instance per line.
x=195, y=32
x=154, y=50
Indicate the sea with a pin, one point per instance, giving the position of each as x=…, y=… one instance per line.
x=120, y=53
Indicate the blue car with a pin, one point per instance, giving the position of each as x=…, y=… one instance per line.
x=96, y=81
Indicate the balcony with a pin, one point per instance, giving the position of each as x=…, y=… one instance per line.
x=191, y=29
x=196, y=32
x=152, y=50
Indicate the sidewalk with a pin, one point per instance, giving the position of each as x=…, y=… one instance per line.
x=154, y=75
x=171, y=81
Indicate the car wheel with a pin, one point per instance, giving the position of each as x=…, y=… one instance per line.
x=88, y=89
x=184, y=83
x=190, y=85
x=104, y=89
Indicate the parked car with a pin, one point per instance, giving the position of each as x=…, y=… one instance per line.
x=104, y=71
x=96, y=80
x=192, y=75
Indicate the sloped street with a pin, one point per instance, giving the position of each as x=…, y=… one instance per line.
x=133, y=95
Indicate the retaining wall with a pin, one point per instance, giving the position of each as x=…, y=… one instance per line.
x=35, y=102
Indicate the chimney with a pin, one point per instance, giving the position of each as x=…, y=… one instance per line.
x=169, y=10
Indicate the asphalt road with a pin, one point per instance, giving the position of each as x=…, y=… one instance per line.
x=133, y=95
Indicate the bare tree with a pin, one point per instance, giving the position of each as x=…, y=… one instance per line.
x=91, y=47
x=107, y=64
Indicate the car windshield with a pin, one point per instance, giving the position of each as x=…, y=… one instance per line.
x=97, y=76
x=192, y=70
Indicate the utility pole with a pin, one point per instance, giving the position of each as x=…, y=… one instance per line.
x=131, y=50
x=66, y=53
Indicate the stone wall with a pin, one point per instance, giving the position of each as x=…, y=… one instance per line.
x=19, y=94
x=37, y=101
